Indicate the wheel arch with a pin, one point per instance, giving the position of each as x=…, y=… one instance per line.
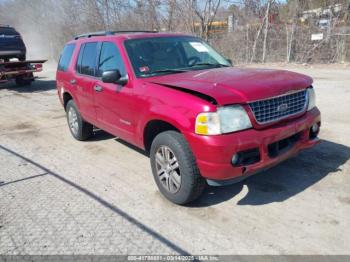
x=66, y=97
x=153, y=128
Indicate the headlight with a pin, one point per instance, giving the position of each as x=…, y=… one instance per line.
x=312, y=98
x=226, y=120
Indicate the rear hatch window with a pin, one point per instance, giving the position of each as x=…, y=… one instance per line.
x=8, y=32
x=10, y=39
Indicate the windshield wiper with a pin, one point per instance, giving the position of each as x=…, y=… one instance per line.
x=210, y=64
x=166, y=70
x=169, y=70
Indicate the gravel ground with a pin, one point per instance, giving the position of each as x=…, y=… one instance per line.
x=61, y=196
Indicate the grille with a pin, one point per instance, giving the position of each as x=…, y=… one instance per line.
x=277, y=108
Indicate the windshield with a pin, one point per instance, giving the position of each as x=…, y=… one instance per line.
x=169, y=55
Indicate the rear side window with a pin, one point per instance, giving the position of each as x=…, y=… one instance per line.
x=66, y=57
x=110, y=59
x=87, y=59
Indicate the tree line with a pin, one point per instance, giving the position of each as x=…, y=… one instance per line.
x=246, y=31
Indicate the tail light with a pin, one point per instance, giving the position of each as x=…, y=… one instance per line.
x=38, y=67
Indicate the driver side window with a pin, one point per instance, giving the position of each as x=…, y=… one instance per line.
x=110, y=59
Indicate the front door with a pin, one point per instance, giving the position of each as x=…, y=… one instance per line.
x=113, y=102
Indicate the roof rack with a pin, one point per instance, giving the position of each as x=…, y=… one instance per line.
x=100, y=33
x=104, y=33
x=134, y=31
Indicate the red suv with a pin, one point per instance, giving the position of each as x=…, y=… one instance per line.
x=201, y=120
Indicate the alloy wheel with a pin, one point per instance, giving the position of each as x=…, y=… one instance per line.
x=168, y=170
x=73, y=121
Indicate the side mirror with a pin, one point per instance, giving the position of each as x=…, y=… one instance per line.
x=114, y=77
x=229, y=60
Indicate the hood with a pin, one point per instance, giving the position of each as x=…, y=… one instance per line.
x=234, y=85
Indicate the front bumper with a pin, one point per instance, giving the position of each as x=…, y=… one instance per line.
x=214, y=153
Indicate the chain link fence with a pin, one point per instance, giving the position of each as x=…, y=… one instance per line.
x=285, y=43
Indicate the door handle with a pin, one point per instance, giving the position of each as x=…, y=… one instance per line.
x=98, y=88
x=73, y=81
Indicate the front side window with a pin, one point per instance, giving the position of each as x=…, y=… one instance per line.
x=87, y=59
x=166, y=55
x=66, y=57
x=110, y=59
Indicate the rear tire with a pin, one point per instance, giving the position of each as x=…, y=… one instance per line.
x=80, y=129
x=184, y=183
x=22, y=58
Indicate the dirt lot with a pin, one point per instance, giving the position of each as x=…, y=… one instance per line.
x=60, y=196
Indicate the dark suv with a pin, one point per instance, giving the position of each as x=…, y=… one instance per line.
x=201, y=120
x=11, y=44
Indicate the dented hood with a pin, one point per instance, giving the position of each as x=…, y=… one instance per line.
x=235, y=85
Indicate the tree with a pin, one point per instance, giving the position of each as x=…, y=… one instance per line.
x=267, y=21
x=206, y=12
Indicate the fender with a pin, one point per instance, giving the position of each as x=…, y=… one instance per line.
x=157, y=112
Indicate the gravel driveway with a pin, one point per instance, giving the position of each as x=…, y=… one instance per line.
x=61, y=196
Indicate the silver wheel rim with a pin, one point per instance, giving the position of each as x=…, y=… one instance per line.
x=73, y=121
x=168, y=171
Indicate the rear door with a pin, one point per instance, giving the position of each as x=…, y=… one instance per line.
x=85, y=79
x=114, y=103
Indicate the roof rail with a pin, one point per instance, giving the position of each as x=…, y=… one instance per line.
x=134, y=31
x=100, y=33
x=104, y=33
x=2, y=25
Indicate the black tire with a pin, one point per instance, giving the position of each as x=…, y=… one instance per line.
x=84, y=129
x=23, y=82
x=192, y=183
x=22, y=58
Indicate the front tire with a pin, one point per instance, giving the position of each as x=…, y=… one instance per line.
x=175, y=169
x=80, y=129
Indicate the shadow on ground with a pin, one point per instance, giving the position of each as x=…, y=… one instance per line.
x=41, y=84
x=157, y=236
x=285, y=180
x=100, y=135
x=276, y=184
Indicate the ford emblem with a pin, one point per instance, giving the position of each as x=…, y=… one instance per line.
x=282, y=107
